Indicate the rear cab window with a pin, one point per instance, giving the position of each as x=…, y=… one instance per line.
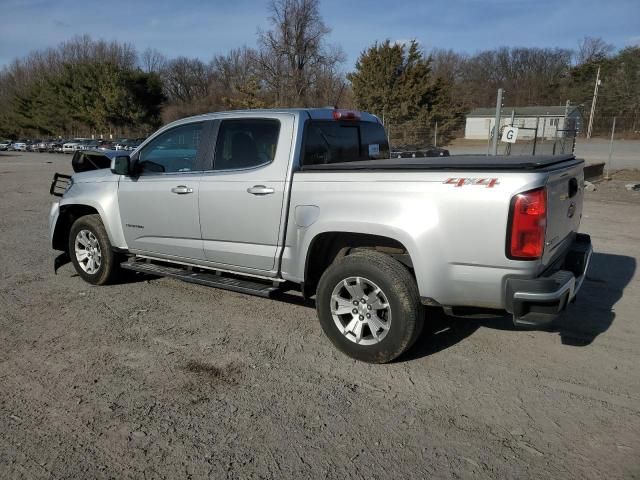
x=328, y=141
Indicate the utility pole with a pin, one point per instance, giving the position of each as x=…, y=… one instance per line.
x=593, y=104
x=496, y=127
x=535, y=136
x=435, y=135
x=613, y=131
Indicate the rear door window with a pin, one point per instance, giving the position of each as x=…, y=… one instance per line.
x=335, y=142
x=246, y=143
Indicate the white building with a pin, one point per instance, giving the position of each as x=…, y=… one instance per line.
x=548, y=119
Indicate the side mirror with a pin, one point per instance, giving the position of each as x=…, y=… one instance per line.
x=121, y=165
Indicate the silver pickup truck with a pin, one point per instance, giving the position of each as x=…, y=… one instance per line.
x=260, y=202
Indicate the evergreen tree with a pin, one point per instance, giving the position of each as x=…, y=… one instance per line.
x=394, y=82
x=90, y=97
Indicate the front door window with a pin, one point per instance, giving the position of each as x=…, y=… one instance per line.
x=173, y=151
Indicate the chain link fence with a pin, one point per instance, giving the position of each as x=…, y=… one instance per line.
x=540, y=136
x=410, y=136
x=626, y=127
x=536, y=136
x=533, y=141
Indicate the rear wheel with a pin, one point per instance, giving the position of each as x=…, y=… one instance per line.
x=91, y=252
x=369, y=306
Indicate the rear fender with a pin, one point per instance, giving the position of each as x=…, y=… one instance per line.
x=294, y=268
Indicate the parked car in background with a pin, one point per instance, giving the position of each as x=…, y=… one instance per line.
x=72, y=145
x=106, y=145
x=419, y=152
x=119, y=143
x=69, y=147
x=96, y=145
x=128, y=144
x=55, y=146
x=5, y=145
x=43, y=146
x=19, y=146
x=89, y=145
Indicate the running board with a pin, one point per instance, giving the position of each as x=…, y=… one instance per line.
x=209, y=279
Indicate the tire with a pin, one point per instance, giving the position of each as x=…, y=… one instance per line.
x=397, y=326
x=89, y=235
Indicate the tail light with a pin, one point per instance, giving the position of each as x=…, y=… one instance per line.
x=527, y=226
x=346, y=115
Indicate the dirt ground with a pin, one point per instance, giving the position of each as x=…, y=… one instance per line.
x=155, y=378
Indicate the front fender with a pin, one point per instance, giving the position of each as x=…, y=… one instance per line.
x=101, y=196
x=54, y=213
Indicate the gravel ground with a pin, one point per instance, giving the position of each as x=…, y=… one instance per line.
x=156, y=378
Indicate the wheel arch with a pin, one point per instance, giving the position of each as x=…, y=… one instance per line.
x=68, y=214
x=325, y=247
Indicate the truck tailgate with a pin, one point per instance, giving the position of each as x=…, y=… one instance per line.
x=565, y=191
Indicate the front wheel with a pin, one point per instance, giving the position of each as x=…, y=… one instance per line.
x=91, y=252
x=369, y=306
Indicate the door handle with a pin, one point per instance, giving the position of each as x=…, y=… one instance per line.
x=260, y=190
x=182, y=190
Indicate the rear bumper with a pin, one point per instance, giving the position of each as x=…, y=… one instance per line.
x=539, y=300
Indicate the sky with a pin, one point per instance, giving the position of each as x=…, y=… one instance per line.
x=198, y=28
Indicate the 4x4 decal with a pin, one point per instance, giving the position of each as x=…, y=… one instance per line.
x=460, y=182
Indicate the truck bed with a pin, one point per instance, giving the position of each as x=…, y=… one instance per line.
x=516, y=163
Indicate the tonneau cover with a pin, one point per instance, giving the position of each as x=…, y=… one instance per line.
x=454, y=162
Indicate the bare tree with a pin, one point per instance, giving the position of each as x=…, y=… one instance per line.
x=83, y=49
x=153, y=60
x=530, y=76
x=592, y=49
x=186, y=79
x=447, y=64
x=293, y=54
x=235, y=68
x=236, y=79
